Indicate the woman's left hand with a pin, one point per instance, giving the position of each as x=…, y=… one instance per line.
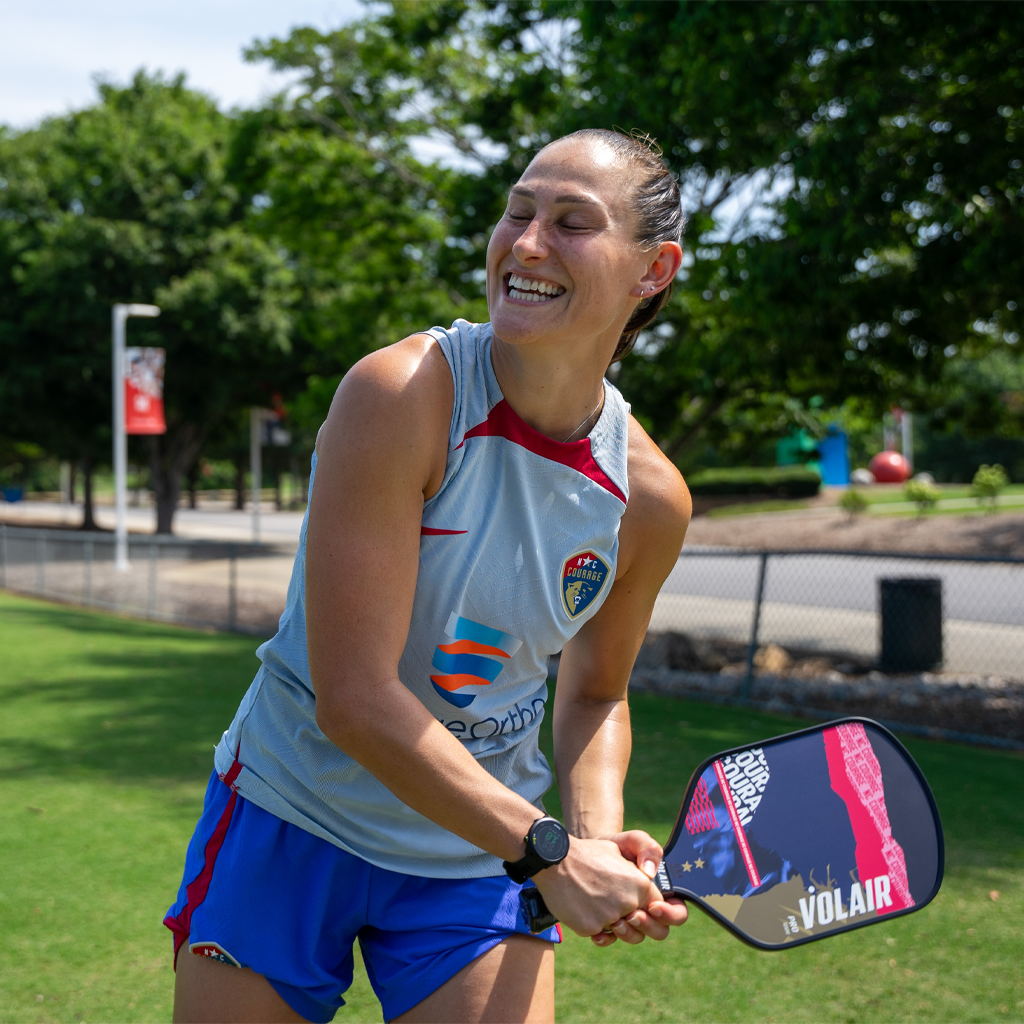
x=654, y=920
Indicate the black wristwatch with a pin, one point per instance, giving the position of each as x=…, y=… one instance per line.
x=547, y=843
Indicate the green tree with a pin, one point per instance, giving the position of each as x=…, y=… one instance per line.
x=852, y=174
x=889, y=134
x=129, y=200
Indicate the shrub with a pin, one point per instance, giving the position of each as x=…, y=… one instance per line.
x=853, y=502
x=783, y=481
x=987, y=483
x=923, y=494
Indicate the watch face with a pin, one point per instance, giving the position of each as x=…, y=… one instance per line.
x=550, y=840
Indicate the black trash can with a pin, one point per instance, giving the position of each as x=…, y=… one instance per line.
x=910, y=610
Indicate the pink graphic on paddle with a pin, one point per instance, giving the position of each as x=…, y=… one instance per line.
x=856, y=777
x=737, y=827
x=701, y=815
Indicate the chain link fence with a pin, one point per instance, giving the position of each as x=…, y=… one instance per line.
x=813, y=612
x=797, y=613
x=215, y=584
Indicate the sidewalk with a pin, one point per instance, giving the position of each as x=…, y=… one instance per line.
x=208, y=523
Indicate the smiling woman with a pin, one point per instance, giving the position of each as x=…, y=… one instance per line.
x=483, y=499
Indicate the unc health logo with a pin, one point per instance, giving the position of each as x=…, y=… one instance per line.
x=583, y=577
x=475, y=657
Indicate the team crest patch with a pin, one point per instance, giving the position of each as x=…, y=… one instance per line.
x=213, y=951
x=583, y=578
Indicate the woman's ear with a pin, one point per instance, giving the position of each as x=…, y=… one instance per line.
x=661, y=270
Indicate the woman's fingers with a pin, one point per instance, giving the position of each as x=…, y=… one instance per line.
x=670, y=911
x=640, y=848
x=622, y=929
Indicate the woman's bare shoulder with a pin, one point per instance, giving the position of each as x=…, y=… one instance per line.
x=396, y=401
x=659, y=501
x=402, y=369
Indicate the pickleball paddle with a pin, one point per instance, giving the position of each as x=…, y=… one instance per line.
x=801, y=837
x=807, y=835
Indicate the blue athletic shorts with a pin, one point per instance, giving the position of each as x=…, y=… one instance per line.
x=260, y=892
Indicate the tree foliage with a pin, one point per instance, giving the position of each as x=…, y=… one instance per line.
x=889, y=135
x=852, y=173
x=126, y=201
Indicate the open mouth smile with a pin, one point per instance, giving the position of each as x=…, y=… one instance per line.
x=526, y=289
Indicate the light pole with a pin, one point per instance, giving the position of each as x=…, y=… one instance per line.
x=121, y=312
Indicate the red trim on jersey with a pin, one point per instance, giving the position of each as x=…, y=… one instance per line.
x=504, y=421
x=429, y=531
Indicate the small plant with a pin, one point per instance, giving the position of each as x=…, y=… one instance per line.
x=923, y=494
x=986, y=485
x=853, y=503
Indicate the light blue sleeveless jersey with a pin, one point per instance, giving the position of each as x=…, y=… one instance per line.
x=518, y=550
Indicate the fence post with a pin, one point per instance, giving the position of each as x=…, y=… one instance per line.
x=3, y=555
x=232, y=585
x=88, y=571
x=40, y=562
x=151, y=594
x=748, y=679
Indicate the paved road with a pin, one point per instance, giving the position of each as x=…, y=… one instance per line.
x=975, y=592
x=829, y=604
x=968, y=647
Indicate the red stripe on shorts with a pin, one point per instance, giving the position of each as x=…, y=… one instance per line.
x=197, y=889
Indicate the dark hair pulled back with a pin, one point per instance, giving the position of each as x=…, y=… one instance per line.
x=658, y=210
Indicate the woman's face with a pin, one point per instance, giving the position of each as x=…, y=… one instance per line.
x=563, y=263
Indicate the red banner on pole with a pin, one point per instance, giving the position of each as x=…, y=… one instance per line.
x=144, y=391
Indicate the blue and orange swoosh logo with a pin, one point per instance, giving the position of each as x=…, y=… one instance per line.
x=475, y=657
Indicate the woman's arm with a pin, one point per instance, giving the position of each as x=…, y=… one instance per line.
x=381, y=452
x=591, y=714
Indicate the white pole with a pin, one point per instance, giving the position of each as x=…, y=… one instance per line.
x=120, y=315
x=120, y=444
x=907, y=424
x=256, y=466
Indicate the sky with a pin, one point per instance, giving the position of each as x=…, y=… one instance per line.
x=50, y=50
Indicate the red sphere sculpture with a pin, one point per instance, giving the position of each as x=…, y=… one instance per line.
x=890, y=468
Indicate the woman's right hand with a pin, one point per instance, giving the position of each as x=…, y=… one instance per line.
x=594, y=886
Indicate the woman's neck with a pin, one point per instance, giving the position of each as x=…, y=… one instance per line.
x=554, y=388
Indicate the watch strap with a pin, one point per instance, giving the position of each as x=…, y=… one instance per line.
x=527, y=866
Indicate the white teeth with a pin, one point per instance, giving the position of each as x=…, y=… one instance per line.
x=526, y=289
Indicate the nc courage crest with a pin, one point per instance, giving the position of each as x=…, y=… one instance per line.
x=583, y=579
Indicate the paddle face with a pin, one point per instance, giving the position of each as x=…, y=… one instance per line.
x=807, y=835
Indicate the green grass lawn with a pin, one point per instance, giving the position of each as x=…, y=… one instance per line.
x=1013, y=496
x=106, y=735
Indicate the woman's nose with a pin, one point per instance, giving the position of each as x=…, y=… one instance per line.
x=530, y=244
